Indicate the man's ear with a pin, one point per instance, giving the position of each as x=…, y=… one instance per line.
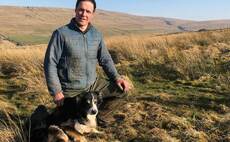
x=75, y=11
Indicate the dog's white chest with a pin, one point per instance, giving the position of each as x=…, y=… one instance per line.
x=89, y=126
x=91, y=121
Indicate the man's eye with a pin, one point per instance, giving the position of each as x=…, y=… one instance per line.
x=88, y=11
x=81, y=10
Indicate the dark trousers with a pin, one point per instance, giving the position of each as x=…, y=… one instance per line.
x=111, y=94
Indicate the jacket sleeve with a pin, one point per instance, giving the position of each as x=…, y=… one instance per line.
x=52, y=56
x=106, y=62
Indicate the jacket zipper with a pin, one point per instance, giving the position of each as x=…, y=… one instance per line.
x=86, y=57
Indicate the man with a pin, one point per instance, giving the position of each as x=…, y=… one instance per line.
x=72, y=55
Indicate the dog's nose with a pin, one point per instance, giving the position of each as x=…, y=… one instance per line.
x=93, y=111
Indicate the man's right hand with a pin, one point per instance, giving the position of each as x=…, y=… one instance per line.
x=59, y=99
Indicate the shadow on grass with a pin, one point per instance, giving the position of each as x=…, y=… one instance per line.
x=163, y=70
x=201, y=102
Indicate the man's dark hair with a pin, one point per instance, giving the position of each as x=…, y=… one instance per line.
x=93, y=2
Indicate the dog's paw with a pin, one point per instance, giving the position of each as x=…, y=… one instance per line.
x=94, y=130
x=75, y=136
x=56, y=134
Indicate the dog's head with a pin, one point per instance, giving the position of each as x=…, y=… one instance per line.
x=81, y=105
x=90, y=102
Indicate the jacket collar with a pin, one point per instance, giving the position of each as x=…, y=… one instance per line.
x=73, y=25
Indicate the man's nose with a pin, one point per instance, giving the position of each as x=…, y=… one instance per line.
x=84, y=13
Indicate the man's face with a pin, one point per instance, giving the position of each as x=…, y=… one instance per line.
x=84, y=13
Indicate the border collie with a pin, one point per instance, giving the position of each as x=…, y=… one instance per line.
x=76, y=115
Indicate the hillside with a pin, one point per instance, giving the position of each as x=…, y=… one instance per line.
x=214, y=24
x=29, y=25
x=181, y=88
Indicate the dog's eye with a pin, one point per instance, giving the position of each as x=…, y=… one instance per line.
x=88, y=101
x=95, y=101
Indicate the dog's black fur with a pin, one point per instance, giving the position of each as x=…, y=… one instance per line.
x=74, y=108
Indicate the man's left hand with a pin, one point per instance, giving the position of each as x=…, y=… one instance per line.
x=123, y=84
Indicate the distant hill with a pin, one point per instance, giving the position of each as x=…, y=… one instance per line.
x=208, y=25
x=34, y=25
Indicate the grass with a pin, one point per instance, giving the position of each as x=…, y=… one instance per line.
x=22, y=77
x=28, y=39
x=181, y=86
x=12, y=129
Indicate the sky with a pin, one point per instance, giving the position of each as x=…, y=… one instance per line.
x=198, y=10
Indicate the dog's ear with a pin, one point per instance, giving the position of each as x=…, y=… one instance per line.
x=38, y=117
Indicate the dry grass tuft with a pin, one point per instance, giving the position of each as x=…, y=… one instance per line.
x=12, y=130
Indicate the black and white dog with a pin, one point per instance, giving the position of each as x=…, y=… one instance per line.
x=78, y=113
x=80, y=110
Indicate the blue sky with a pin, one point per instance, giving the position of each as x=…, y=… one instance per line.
x=182, y=9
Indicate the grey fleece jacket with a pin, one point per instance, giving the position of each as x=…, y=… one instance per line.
x=71, y=59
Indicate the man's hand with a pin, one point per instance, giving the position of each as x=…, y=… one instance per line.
x=59, y=99
x=123, y=84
